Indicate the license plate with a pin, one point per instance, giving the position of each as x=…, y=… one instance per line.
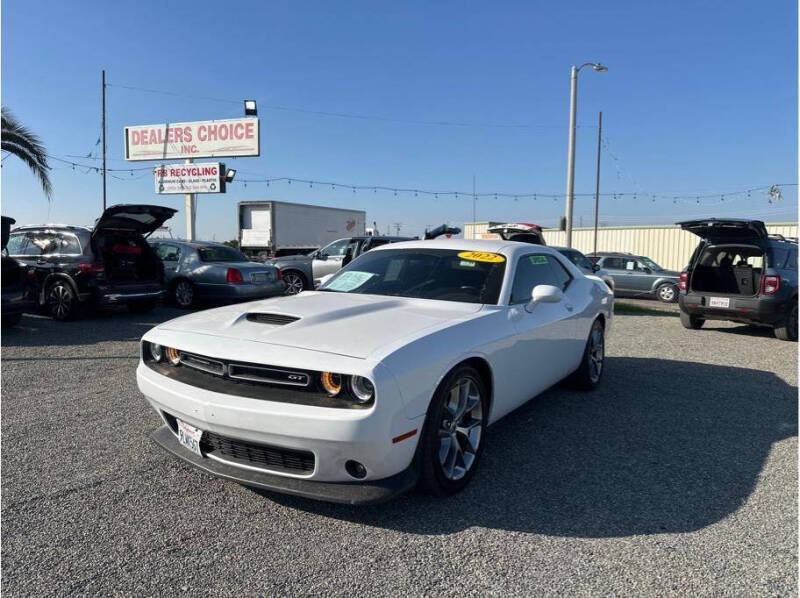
x=189, y=436
x=258, y=278
x=719, y=302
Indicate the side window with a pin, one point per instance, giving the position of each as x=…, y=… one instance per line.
x=16, y=244
x=168, y=253
x=335, y=249
x=68, y=244
x=536, y=269
x=791, y=263
x=614, y=263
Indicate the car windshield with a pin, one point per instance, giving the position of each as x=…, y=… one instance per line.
x=220, y=253
x=442, y=274
x=650, y=264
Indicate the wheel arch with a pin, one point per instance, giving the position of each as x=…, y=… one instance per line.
x=53, y=278
x=483, y=367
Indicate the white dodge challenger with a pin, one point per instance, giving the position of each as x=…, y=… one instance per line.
x=385, y=377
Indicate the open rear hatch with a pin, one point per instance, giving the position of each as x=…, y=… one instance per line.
x=119, y=238
x=726, y=229
x=521, y=232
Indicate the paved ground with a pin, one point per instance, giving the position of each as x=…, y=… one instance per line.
x=678, y=477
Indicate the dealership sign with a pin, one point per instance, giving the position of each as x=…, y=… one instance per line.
x=201, y=139
x=190, y=178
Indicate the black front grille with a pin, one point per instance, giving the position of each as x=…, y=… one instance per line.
x=257, y=455
x=275, y=319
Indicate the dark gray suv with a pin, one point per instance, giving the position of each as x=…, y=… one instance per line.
x=639, y=276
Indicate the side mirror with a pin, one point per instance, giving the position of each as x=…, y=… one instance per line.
x=595, y=268
x=321, y=256
x=544, y=293
x=648, y=271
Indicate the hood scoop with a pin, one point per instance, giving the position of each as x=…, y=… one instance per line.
x=274, y=319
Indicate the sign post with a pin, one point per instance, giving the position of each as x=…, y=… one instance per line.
x=190, y=211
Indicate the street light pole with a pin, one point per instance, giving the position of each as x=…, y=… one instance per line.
x=597, y=180
x=573, y=107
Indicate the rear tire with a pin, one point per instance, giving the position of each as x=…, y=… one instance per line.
x=787, y=330
x=183, y=293
x=691, y=322
x=295, y=282
x=454, y=433
x=667, y=293
x=588, y=375
x=141, y=307
x=62, y=302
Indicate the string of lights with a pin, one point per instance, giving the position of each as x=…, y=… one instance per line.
x=773, y=193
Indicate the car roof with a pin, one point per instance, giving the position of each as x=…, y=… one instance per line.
x=194, y=244
x=507, y=248
x=51, y=225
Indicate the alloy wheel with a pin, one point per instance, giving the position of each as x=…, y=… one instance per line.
x=184, y=293
x=596, y=354
x=59, y=300
x=461, y=428
x=667, y=293
x=294, y=283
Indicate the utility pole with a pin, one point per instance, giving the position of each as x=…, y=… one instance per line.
x=597, y=180
x=397, y=226
x=104, y=138
x=190, y=211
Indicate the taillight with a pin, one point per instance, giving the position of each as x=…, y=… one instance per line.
x=683, y=281
x=92, y=268
x=770, y=284
x=234, y=275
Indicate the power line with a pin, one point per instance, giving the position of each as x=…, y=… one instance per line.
x=351, y=115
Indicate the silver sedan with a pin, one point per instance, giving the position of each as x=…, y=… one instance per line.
x=195, y=271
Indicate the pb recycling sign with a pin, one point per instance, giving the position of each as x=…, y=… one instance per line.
x=190, y=178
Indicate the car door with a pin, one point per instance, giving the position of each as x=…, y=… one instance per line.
x=616, y=267
x=170, y=256
x=641, y=277
x=542, y=353
x=329, y=259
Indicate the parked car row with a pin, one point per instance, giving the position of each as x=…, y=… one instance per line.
x=64, y=269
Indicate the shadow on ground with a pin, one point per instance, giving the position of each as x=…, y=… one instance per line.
x=107, y=325
x=662, y=447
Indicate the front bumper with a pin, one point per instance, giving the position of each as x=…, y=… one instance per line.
x=333, y=435
x=354, y=493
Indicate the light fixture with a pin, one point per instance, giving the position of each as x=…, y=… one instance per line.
x=600, y=68
x=229, y=174
x=250, y=108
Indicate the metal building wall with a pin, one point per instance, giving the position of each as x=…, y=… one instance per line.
x=668, y=246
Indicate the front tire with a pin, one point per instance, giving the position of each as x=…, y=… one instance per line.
x=62, y=302
x=295, y=282
x=691, y=322
x=454, y=434
x=588, y=375
x=667, y=293
x=787, y=330
x=183, y=294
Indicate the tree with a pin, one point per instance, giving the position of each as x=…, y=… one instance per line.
x=232, y=243
x=25, y=145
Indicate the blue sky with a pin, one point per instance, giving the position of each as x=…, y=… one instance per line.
x=701, y=97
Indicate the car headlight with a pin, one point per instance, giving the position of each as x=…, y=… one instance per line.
x=362, y=388
x=173, y=355
x=156, y=352
x=332, y=383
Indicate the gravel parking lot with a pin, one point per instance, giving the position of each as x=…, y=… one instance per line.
x=678, y=476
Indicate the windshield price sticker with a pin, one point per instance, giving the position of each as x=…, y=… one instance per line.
x=537, y=260
x=347, y=281
x=482, y=256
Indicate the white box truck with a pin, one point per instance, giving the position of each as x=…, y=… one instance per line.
x=281, y=228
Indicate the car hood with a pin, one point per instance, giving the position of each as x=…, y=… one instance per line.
x=341, y=323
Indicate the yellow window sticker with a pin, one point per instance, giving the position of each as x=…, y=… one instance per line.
x=482, y=256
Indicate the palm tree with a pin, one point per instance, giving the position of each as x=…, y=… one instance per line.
x=20, y=141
